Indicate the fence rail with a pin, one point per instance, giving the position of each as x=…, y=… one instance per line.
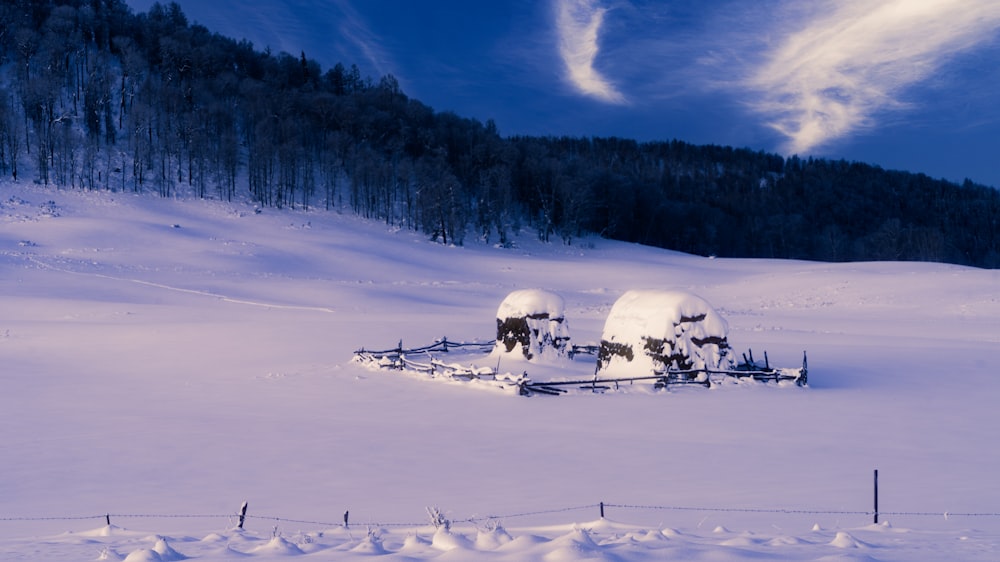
x=428, y=360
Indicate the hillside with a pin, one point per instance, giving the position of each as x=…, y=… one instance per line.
x=94, y=96
x=166, y=359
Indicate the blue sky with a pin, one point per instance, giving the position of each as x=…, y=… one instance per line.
x=904, y=84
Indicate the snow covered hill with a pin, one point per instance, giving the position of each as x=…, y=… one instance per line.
x=166, y=360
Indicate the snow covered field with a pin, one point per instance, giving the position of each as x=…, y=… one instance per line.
x=164, y=361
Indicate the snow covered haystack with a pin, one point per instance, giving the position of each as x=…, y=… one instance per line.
x=531, y=323
x=656, y=330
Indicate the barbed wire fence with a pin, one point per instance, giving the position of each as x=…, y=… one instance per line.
x=599, y=508
x=437, y=518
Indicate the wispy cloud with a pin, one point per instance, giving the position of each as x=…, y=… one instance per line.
x=578, y=23
x=354, y=29
x=836, y=72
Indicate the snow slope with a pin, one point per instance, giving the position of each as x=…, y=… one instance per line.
x=166, y=360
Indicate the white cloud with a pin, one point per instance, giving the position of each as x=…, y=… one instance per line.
x=833, y=75
x=355, y=30
x=578, y=23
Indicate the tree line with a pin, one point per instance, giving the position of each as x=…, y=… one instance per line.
x=94, y=96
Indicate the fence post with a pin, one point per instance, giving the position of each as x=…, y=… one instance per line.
x=107, y=518
x=346, y=513
x=876, y=496
x=243, y=515
x=602, y=510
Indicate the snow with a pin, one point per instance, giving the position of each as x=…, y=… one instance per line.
x=526, y=302
x=680, y=320
x=531, y=324
x=163, y=375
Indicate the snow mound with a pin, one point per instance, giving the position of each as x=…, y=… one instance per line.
x=531, y=323
x=846, y=540
x=278, y=546
x=166, y=552
x=575, y=545
x=414, y=543
x=446, y=540
x=523, y=543
x=144, y=555
x=492, y=539
x=650, y=536
x=656, y=330
x=743, y=540
x=109, y=553
x=105, y=531
x=786, y=541
x=371, y=544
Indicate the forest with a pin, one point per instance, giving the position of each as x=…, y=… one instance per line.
x=94, y=96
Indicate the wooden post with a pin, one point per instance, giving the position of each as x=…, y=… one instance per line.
x=876, y=496
x=346, y=513
x=107, y=518
x=243, y=515
x=602, y=510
